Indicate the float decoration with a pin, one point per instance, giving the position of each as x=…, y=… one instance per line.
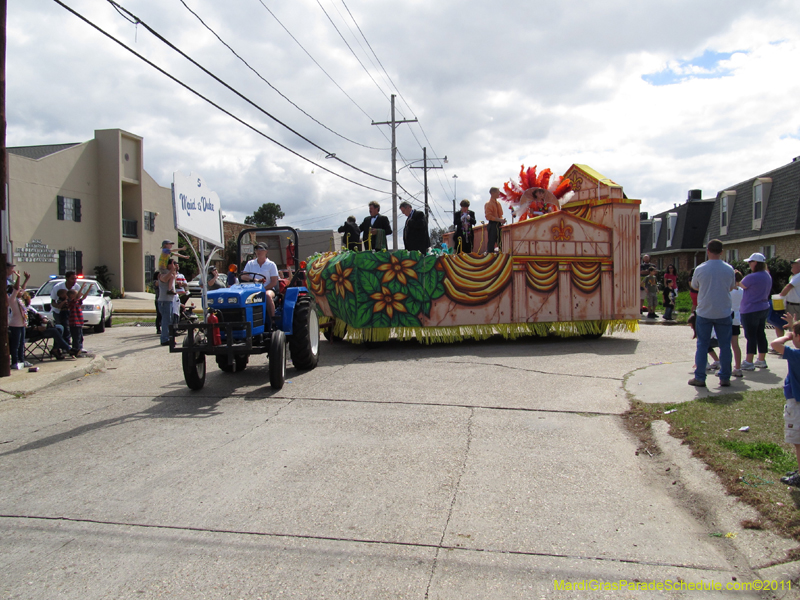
x=558, y=191
x=571, y=271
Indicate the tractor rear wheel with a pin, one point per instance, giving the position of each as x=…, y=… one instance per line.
x=277, y=360
x=304, y=341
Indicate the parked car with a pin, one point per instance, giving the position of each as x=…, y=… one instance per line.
x=98, y=309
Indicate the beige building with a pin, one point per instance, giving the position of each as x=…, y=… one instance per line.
x=78, y=206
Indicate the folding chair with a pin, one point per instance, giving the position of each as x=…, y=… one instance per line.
x=36, y=346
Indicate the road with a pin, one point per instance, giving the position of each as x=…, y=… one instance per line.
x=474, y=470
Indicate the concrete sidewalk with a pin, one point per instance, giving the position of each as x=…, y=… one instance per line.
x=135, y=303
x=51, y=373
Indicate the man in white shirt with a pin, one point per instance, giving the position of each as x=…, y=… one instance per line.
x=263, y=270
x=61, y=317
x=792, y=291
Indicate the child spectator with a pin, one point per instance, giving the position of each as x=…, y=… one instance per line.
x=736, y=326
x=74, y=302
x=651, y=286
x=232, y=280
x=17, y=322
x=791, y=391
x=671, y=274
x=670, y=294
x=712, y=343
x=166, y=254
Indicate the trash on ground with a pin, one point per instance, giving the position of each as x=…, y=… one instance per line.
x=669, y=412
x=745, y=428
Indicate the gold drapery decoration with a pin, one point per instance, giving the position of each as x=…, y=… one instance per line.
x=473, y=279
x=586, y=276
x=581, y=210
x=542, y=276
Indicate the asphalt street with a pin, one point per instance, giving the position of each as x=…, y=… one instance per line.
x=477, y=470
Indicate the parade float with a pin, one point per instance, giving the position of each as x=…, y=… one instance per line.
x=568, y=268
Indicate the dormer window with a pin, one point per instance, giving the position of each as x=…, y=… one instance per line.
x=672, y=220
x=761, y=189
x=656, y=231
x=725, y=210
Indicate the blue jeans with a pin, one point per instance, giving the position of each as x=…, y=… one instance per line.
x=753, y=324
x=165, y=310
x=62, y=318
x=16, y=344
x=723, y=328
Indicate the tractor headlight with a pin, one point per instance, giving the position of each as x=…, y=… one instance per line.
x=233, y=300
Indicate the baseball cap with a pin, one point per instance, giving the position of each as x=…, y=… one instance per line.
x=757, y=257
x=261, y=246
x=796, y=261
x=165, y=242
x=8, y=264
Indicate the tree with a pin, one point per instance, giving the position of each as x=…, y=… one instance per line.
x=437, y=236
x=266, y=216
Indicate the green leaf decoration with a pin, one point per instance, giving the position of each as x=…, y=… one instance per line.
x=413, y=306
x=381, y=320
x=416, y=290
x=426, y=308
x=408, y=320
x=363, y=314
x=366, y=260
x=369, y=281
x=426, y=264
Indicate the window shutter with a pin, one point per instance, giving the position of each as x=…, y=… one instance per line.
x=60, y=208
x=79, y=262
x=62, y=262
x=77, y=209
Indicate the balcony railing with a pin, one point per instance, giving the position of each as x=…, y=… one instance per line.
x=130, y=229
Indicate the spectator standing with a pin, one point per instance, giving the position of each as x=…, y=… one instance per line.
x=75, y=300
x=713, y=280
x=644, y=271
x=17, y=322
x=651, y=287
x=166, y=293
x=671, y=275
x=754, y=311
x=213, y=280
x=736, y=329
x=155, y=301
x=669, y=298
x=791, y=391
x=791, y=291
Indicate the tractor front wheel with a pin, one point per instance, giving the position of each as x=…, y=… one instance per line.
x=277, y=360
x=194, y=365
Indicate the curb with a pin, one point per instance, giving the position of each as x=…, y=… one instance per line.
x=31, y=386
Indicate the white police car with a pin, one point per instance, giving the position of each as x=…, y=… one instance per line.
x=97, y=307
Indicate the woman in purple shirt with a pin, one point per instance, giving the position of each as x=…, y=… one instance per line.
x=754, y=311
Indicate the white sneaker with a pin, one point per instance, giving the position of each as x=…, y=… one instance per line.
x=761, y=364
x=748, y=366
x=26, y=364
x=737, y=373
x=17, y=366
x=713, y=366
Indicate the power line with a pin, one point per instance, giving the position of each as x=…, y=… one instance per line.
x=242, y=96
x=281, y=94
x=351, y=51
x=315, y=60
x=212, y=103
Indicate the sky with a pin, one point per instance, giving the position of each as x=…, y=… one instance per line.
x=661, y=97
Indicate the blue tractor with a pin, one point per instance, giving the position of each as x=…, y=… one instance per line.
x=241, y=326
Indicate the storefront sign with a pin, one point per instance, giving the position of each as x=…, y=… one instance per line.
x=37, y=252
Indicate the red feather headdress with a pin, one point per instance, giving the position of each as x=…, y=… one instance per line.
x=512, y=193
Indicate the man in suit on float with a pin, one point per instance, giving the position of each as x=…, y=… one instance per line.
x=415, y=232
x=371, y=225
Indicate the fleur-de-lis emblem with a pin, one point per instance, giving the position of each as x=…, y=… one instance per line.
x=561, y=232
x=577, y=181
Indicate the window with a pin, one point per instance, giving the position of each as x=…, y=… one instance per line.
x=726, y=199
x=149, y=221
x=656, y=231
x=149, y=264
x=761, y=189
x=70, y=260
x=68, y=209
x=768, y=251
x=672, y=220
x=732, y=255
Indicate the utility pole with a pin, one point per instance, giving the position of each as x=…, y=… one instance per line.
x=394, y=123
x=5, y=359
x=426, y=167
x=455, y=188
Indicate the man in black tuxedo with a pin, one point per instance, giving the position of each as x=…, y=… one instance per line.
x=415, y=232
x=351, y=236
x=371, y=225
